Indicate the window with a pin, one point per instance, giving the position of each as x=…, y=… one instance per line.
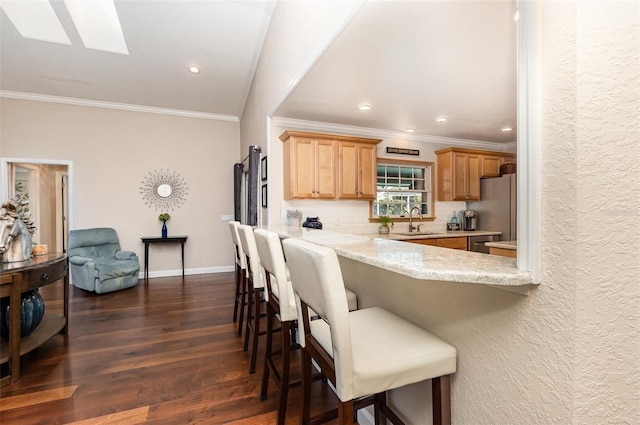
x=402, y=186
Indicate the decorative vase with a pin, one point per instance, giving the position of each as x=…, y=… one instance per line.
x=383, y=230
x=31, y=311
x=164, y=228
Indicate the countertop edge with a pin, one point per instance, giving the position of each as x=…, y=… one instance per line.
x=417, y=261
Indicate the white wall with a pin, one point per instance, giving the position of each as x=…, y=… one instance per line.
x=112, y=151
x=568, y=353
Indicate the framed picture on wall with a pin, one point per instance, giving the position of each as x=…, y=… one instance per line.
x=263, y=168
x=264, y=196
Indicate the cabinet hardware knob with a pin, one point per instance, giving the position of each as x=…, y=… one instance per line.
x=44, y=277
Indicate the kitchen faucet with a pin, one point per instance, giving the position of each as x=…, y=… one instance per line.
x=411, y=226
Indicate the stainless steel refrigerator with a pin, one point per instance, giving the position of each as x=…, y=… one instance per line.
x=497, y=207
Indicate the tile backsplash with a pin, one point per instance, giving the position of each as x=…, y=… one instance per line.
x=353, y=216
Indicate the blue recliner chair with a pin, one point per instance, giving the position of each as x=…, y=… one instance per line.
x=97, y=263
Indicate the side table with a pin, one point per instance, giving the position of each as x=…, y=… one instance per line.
x=146, y=240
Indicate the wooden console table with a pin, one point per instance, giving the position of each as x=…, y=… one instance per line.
x=146, y=240
x=19, y=277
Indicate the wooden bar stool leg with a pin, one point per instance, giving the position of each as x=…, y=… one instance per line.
x=284, y=377
x=236, y=299
x=305, y=414
x=267, y=355
x=441, y=395
x=247, y=329
x=256, y=330
x=345, y=412
x=243, y=299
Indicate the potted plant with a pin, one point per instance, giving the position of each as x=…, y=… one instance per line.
x=384, y=221
x=164, y=217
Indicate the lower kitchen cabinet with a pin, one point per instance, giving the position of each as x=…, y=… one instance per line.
x=453, y=243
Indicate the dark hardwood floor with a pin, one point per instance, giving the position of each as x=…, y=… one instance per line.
x=162, y=353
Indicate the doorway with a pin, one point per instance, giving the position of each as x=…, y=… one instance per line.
x=47, y=183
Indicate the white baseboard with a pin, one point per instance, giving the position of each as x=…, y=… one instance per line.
x=178, y=272
x=365, y=417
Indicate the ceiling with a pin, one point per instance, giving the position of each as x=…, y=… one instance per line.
x=412, y=61
x=164, y=38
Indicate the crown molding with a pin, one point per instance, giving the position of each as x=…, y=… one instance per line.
x=387, y=134
x=113, y=105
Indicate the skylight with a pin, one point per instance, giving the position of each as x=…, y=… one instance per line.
x=98, y=25
x=36, y=20
x=96, y=21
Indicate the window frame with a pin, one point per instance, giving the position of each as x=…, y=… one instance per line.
x=402, y=162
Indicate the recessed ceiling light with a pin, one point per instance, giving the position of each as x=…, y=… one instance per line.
x=441, y=119
x=505, y=129
x=410, y=130
x=194, y=69
x=364, y=107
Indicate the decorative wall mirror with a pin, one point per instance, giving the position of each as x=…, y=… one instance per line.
x=163, y=190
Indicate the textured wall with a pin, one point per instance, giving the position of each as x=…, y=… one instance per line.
x=568, y=353
x=607, y=372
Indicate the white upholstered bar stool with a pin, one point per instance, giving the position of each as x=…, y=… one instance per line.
x=363, y=353
x=281, y=307
x=241, y=270
x=256, y=296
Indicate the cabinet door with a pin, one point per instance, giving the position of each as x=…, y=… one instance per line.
x=490, y=166
x=460, y=178
x=368, y=171
x=473, y=178
x=357, y=170
x=302, y=168
x=348, y=170
x=325, y=166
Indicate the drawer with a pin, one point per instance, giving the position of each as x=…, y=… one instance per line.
x=47, y=275
x=422, y=241
x=454, y=243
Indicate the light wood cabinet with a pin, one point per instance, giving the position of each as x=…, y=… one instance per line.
x=453, y=243
x=309, y=168
x=460, y=170
x=327, y=166
x=357, y=170
x=490, y=164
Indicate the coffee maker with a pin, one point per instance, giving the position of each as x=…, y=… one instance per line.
x=469, y=220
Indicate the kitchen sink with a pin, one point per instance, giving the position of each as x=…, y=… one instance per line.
x=416, y=233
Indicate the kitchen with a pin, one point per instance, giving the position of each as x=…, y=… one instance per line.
x=360, y=216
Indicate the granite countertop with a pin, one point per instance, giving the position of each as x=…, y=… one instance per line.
x=414, y=260
x=396, y=236
x=502, y=244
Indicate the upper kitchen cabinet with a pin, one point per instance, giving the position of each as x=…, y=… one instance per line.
x=460, y=170
x=490, y=164
x=357, y=169
x=315, y=164
x=309, y=166
x=458, y=175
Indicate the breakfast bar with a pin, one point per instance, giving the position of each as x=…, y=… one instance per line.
x=468, y=299
x=390, y=253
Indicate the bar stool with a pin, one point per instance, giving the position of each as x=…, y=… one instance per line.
x=281, y=307
x=363, y=353
x=241, y=270
x=256, y=295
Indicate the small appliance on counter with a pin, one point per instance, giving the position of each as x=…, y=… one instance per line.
x=312, y=223
x=469, y=220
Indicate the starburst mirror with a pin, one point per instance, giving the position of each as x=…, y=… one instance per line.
x=163, y=190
